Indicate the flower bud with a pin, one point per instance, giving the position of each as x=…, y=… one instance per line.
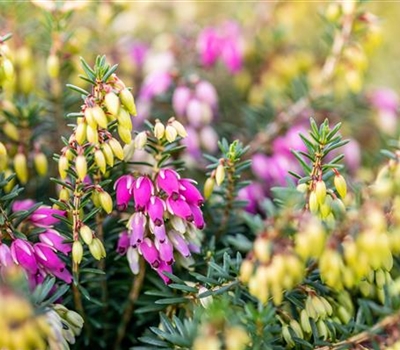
x=53, y=65
x=106, y=202
x=99, y=116
x=8, y=69
x=305, y=322
x=89, y=117
x=340, y=185
x=129, y=151
x=208, y=187
x=124, y=119
x=40, y=161
x=97, y=249
x=246, y=270
x=92, y=135
x=63, y=165
x=100, y=160
x=141, y=140
x=206, y=301
x=3, y=157
x=64, y=195
x=80, y=133
x=179, y=128
x=86, y=234
x=74, y=318
x=220, y=174
x=77, y=252
x=124, y=134
x=159, y=130
x=11, y=131
x=170, y=133
x=320, y=191
x=81, y=167
x=128, y=101
x=108, y=154
x=313, y=202
x=116, y=148
x=21, y=167
x=112, y=103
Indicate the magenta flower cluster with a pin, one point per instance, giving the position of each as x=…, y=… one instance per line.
x=222, y=42
x=166, y=219
x=40, y=258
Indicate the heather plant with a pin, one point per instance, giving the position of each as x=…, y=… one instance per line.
x=199, y=184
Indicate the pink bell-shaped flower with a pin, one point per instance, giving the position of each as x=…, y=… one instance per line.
x=142, y=191
x=23, y=254
x=123, y=187
x=168, y=181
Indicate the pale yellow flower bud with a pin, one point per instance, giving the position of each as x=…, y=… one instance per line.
x=77, y=252
x=141, y=140
x=74, y=318
x=112, y=103
x=220, y=174
x=108, y=154
x=11, y=131
x=3, y=157
x=159, y=130
x=179, y=128
x=80, y=133
x=117, y=148
x=246, y=270
x=124, y=134
x=86, y=234
x=129, y=151
x=128, y=101
x=63, y=165
x=8, y=69
x=313, y=202
x=89, y=117
x=53, y=66
x=106, y=202
x=170, y=133
x=21, y=167
x=100, y=160
x=124, y=119
x=64, y=194
x=99, y=116
x=97, y=249
x=41, y=165
x=208, y=187
x=340, y=185
x=320, y=191
x=92, y=135
x=81, y=167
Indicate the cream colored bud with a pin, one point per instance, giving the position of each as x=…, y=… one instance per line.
x=53, y=66
x=206, y=301
x=97, y=249
x=64, y=195
x=11, y=131
x=340, y=185
x=100, y=160
x=124, y=134
x=179, y=128
x=21, y=167
x=63, y=166
x=3, y=157
x=77, y=252
x=141, y=140
x=209, y=187
x=262, y=249
x=159, y=130
x=112, y=103
x=92, y=134
x=117, y=148
x=80, y=133
x=86, y=234
x=89, y=117
x=99, y=116
x=81, y=167
x=108, y=154
x=320, y=191
x=74, y=318
x=3, y=150
x=8, y=69
x=124, y=119
x=41, y=165
x=246, y=270
x=10, y=185
x=313, y=202
x=128, y=101
x=170, y=133
x=129, y=151
x=220, y=174
x=106, y=202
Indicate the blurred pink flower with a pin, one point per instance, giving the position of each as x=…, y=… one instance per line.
x=221, y=42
